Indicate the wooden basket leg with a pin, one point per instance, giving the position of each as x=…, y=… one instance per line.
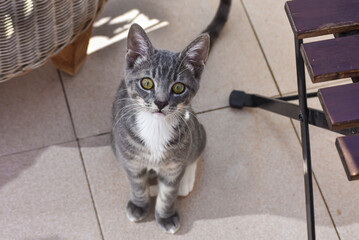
x=71, y=58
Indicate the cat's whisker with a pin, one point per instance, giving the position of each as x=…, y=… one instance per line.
x=179, y=133
x=126, y=107
x=193, y=115
x=178, y=126
x=132, y=110
x=130, y=116
x=182, y=60
x=191, y=122
x=185, y=69
x=188, y=128
x=125, y=111
x=117, y=101
x=122, y=90
x=125, y=99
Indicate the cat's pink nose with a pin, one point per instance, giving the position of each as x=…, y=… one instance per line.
x=161, y=105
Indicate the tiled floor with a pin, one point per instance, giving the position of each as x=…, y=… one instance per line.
x=60, y=180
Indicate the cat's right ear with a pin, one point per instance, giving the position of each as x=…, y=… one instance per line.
x=139, y=47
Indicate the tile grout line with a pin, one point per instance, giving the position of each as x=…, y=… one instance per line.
x=96, y=135
x=291, y=120
x=212, y=110
x=100, y=134
x=80, y=153
x=261, y=48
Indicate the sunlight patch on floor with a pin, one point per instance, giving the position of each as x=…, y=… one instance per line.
x=125, y=21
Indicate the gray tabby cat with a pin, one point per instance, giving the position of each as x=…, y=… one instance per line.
x=154, y=127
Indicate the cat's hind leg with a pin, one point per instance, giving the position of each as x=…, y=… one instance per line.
x=186, y=184
x=188, y=179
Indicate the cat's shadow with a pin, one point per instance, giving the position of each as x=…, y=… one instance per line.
x=243, y=180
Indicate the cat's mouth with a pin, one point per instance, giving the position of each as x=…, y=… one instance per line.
x=159, y=113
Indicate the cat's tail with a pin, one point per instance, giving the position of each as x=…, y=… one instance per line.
x=219, y=20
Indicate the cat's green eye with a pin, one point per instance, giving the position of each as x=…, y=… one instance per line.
x=178, y=88
x=147, y=83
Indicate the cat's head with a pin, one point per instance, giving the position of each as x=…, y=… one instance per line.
x=160, y=81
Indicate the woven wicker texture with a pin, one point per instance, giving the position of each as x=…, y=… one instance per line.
x=31, y=31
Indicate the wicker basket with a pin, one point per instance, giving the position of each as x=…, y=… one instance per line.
x=31, y=31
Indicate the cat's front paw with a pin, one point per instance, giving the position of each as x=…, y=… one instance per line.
x=170, y=224
x=136, y=213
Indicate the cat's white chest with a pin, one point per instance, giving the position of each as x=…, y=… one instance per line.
x=155, y=131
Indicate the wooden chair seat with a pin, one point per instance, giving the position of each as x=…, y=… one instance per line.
x=332, y=59
x=341, y=105
x=310, y=18
x=349, y=153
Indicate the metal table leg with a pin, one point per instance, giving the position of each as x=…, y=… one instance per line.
x=304, y=126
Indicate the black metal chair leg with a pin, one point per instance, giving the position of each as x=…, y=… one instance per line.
x=302, y=92
x=355, y=79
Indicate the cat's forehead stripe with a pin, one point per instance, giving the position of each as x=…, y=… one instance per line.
x=166, y=65
x=164, y=70
x=171, y=74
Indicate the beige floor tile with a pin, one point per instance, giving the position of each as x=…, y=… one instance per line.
x=337, y=190
x=276, y=37
x=340, y=194
x=44, y=195
x=316, y=87
x=235, y=62
x=33, y=112
x=250, y=184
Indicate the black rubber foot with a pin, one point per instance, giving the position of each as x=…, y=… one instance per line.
x=237, y=99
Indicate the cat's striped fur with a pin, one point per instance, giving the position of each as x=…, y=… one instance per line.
x=156, y=130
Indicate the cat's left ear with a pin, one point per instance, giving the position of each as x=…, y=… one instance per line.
x=139, y=47
x=195, y=54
